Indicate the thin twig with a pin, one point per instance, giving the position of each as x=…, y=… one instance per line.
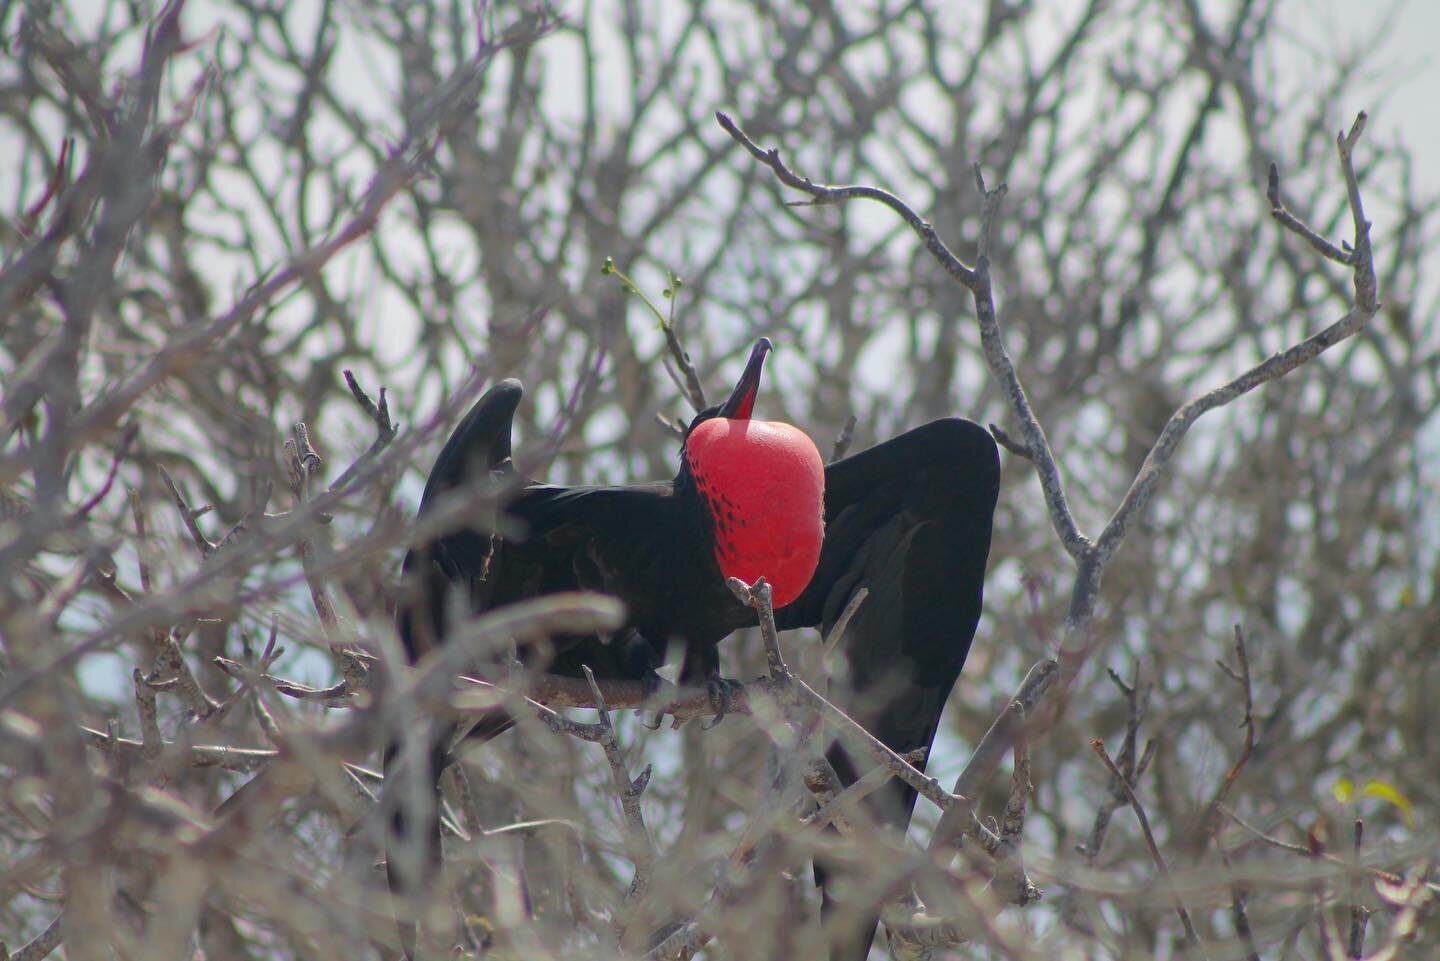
x=190, y=516
x=758, y=597
x=1366, y=292
x=681, y=703
x=1009, y=443
x=825, y=194
x=304, y=464
x=1139, y=809
x=40, y=946
x=694, y=389
x=1348, y=867
x=1131, y=760
x=989, y=753
x=1239, y=893
x=122, y=450
x=1359, y=914
x=385, y=430
x=977, y=281
x=31, y=216
x=223, y=756
x=837, y=630
x=1241, y=676
x=642, y=849
x=1009, y=875
x=1295, y=225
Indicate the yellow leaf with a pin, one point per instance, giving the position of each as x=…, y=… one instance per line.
x=1345, y=792
x=1386, y=791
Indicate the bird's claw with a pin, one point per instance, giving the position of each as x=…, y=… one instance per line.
x=650, y=684
x=721, y=691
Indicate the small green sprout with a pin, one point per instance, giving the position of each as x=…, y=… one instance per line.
x=608, y=268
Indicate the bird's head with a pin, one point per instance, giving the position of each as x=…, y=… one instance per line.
x=763, y=486
x=741, y=402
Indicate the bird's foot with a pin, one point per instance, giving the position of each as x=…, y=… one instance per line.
x=650, y=684
x=722, y=691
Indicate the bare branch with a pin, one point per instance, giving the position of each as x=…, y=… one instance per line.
x=190, y=516
x=1137, y=498
x=39, y=947
x=977, y=281
x=999, y=738
x=1155, y=854
x=642, y=850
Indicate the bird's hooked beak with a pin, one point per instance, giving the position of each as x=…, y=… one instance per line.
x=742, y=399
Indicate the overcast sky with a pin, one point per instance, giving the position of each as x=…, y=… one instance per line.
x=1407, y=68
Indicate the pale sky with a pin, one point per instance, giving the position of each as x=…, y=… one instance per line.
x=1408, y=66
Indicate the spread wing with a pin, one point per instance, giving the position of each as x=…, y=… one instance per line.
x=565, y=538
x=467, y=468
x=470, y=465
x=910, y=519
x=584, y=538
x=560, y=539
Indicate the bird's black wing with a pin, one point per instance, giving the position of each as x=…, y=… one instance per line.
x=909, y=519
x=464, y=469
x=563, y=540
x=471, y=465
x=605, y=539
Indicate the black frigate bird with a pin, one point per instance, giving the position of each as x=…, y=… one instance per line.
x=747, y=500
x=909, y=519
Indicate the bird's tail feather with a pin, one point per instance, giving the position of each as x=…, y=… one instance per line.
x=413, y=851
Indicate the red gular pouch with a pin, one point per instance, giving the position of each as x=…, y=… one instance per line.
x=764, y=483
